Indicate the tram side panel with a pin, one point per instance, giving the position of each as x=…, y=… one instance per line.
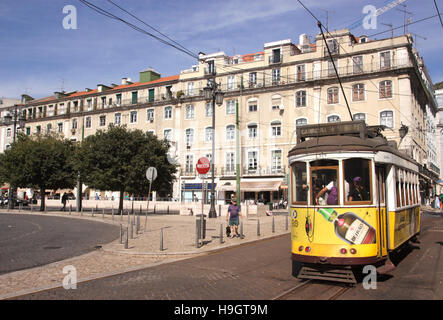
x=403, y=225
x=333, y=232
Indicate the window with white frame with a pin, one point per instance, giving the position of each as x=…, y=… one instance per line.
x=208, y=109
x=252, y=105
x=231, y=82
x=252, y=79
x=300, y=98
x=49, y=127
x=189, y=166
x=209, y=133
x=276, y=128
x=117, y=118
x=230, y=106
x=300, y=72
x=358, y=92
x=8, y=132
x=385, y=60
x=150, y=115
x=385, y=89
x=359, y=116
x=357, y=64
x=88, y=122
x=168, y=112
x=333, y=47
x=333, y=118
x=60, y=127
x=230, y=132
x=276, y=160
x=102, y=121
x=252, y=131
x=387, y=119
x=190, y=88
x=74, y=123
x=252, y=160
x=276, y=102
x=276, y=76
x=167, y=134
x=133, y=117
x=189, y=136
x=331, y=70
x=189, y=112
x=332, y=95
x=89, y=104
x=230, y=162
x=301, y=122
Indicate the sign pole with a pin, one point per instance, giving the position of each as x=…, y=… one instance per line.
x=151, y=175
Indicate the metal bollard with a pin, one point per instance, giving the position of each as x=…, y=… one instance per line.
x=196, y=237
x=241, y=230
x=129, y=217
x=138, y=225
x=126, y=239
x=168, y=209
x=286, y=223
x=70, y=209
x=81, y=211
x=273, y=224
x=154, y=207
x=121, y=233
x=258, y=227
x=92, y=210
x=221, y=233
x=161, y=239
x=131, y=230
x=103, y=213
x=112, y=212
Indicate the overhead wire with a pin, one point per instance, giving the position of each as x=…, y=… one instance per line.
x=112, y=16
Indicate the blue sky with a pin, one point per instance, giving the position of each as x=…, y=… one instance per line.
x=38, y=56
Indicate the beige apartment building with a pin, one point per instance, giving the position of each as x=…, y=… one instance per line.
x=284, y=86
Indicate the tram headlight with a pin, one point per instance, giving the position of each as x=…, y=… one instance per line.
x=343, y=251
x=300, y=248
x=353, y=251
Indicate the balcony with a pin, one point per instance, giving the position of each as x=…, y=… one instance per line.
x=275, y=59
x=264, y=171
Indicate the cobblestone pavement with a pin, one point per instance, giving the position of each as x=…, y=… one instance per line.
x=179, y=242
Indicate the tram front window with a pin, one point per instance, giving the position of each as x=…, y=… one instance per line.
x=325, y=187
x=357, y=180
x=300, y=188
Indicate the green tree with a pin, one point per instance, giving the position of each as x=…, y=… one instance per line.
x=42, y=162
x=117, y=159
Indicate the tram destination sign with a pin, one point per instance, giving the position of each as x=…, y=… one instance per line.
x=331, y=129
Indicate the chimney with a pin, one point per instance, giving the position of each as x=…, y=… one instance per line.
x=124, y=81
x=303, y=39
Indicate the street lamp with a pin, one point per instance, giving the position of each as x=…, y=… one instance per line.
x=212, y=93
x=15, y=118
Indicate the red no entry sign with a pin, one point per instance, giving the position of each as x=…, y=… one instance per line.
x=203, y=165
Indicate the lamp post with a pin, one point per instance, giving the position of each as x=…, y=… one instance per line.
x=14, y=119
x=214, y=95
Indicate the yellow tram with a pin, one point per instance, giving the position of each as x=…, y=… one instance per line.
x=354, y=198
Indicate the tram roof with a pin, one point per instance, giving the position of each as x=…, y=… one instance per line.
x=354, y=136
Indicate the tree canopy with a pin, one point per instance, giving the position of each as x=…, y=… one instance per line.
x=41, y=161
x=116, y=159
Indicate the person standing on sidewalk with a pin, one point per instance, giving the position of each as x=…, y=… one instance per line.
x=64, y=200
x=233, y=217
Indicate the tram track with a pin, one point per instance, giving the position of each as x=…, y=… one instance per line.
x=314, y=290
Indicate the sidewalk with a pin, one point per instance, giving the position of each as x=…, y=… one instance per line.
x=179, y=242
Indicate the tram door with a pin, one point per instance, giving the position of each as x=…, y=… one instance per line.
x=380, y=174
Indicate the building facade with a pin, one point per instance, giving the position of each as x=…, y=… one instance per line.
x=275, y=90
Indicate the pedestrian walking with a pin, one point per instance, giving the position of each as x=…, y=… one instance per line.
x=233, y=217
x=437, y=202
x=64, y=200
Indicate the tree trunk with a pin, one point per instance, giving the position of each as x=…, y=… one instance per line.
x=42, y=198
x=120, y=202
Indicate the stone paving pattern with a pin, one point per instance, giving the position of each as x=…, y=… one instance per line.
x=179, y=242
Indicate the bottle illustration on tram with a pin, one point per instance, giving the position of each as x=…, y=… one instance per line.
x=349, y=227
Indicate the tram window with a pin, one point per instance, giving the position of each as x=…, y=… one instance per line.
x=325, y=188
x=299, y=183
x=397, y=192
x=357, y=180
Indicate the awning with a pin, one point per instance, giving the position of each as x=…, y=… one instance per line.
x=226, y=186
x=258, y=186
